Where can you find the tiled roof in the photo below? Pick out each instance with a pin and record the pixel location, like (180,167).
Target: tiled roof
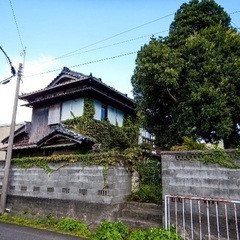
(68,72)
(60,130)
(19,147)
(75,76)
(25,128)
(65,132)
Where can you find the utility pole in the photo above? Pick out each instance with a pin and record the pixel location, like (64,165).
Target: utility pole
(10,145)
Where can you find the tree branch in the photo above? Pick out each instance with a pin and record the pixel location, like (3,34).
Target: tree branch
(174,99)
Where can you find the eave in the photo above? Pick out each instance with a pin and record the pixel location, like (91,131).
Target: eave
(83,82)
(126,105)
(69,85)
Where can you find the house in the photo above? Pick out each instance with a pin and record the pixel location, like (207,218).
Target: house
(4,132)
(59,101)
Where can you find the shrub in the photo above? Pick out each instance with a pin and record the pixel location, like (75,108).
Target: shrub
(150,189)
(51,220)
(147,194)
(139,235)
(73,225)
(189,144)
(154,234)
(111,231)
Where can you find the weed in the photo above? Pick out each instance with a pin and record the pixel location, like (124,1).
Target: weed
(51,219)
(111,231)
(73,225)
(154,234)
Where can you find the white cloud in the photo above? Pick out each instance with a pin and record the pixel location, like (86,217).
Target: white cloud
(31,82)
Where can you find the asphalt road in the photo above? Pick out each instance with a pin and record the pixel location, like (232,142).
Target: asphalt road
(15,232)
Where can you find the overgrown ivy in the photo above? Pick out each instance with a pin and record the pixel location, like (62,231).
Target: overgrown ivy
(189,144)
(150,183)
(103,132)
(89,109)
(215,155)
(119,145)
(221,157)
(127,158)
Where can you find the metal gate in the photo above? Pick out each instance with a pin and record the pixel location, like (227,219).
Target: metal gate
(203,218)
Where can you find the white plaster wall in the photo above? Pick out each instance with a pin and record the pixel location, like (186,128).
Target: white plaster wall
(75,106)
(98,106)
(115,116)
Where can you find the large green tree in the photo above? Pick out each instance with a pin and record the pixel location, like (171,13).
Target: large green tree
(188,84)
(194,16)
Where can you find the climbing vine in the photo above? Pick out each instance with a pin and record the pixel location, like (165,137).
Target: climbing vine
(127,158)
(215,156)
(88,110)
(221,157)
(103,132)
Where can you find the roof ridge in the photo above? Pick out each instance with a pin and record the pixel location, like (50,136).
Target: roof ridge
(67,71)
(73,77)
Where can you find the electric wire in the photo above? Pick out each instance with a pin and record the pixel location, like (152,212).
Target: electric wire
(15,20)
(82,64)
(117,43)
(23,52)
(105,39)
(238,11)
(106,46)
(235,25)
(73,53)
(116,35)
(94,61)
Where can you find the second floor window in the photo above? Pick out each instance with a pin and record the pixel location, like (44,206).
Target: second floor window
(104,111)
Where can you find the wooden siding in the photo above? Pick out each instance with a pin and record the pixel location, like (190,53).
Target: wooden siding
(21,139)
(54,114)
(40,126)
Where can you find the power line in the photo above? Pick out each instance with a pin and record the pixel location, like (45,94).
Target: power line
(72,53)
(82,64)
(15,20)
(114,44)
(105,39)
(238,11)
(116,35)
(106,46)
(235,25)
(95,61)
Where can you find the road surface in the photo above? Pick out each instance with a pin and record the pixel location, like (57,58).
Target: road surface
(15,232)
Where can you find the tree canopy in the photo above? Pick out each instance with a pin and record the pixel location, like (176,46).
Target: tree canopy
(188,84)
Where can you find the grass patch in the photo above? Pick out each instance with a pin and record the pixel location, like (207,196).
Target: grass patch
(106,230)
(65,225)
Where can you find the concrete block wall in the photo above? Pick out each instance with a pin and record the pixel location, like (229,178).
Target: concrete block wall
(72,190)
(183,175)
(70,182)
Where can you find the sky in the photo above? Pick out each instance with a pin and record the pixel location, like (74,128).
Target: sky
(101,37)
